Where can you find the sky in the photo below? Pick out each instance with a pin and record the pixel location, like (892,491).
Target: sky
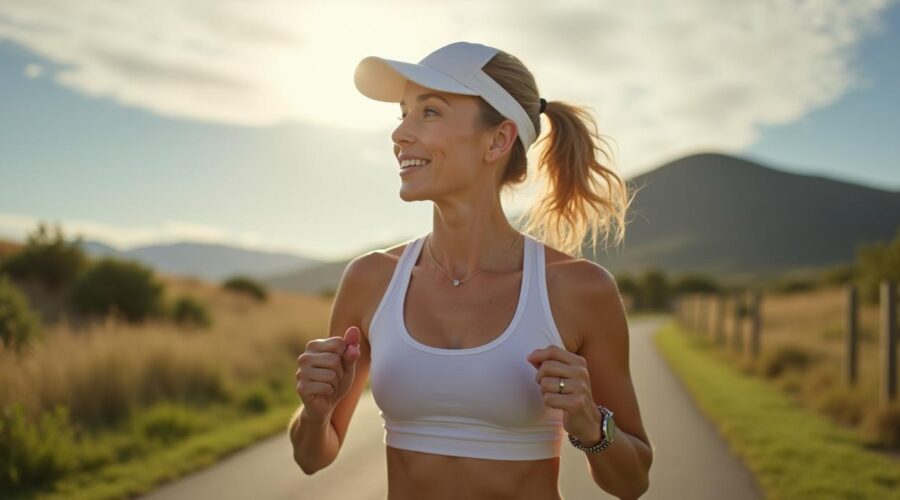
(145,122)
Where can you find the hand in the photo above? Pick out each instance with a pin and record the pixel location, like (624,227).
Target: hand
(581,418)
(326,370)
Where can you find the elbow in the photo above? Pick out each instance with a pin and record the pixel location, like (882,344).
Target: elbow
(640,485)
(307,469)
(636,491)
(644,484)
(643,487)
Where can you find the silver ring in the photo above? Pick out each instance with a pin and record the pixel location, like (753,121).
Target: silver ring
(562,385)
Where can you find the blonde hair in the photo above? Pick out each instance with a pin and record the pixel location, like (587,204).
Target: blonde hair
(580,193)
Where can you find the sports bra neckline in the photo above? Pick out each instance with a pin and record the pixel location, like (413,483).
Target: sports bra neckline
(411,255)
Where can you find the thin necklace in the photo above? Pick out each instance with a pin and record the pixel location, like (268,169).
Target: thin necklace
(457,282)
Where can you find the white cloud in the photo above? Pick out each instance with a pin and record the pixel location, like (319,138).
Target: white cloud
(664,77)
(33,70)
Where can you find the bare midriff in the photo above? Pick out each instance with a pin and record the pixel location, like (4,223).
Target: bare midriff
(414,475)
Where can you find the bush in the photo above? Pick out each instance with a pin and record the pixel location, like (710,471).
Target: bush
(845,404)
(245,285)
(126,286)
(884,423)
(34,454)
(189,311)
(166,423)
(838,275)
(794,285)
(785,358)
(877,262)
(48,259)
(256,400)
(19,325)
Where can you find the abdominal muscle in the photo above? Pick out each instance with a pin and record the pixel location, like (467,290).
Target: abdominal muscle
(414,475)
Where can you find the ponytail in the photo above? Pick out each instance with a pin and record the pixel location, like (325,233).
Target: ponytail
(580,193)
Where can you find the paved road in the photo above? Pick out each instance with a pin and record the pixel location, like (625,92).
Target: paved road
(690,460)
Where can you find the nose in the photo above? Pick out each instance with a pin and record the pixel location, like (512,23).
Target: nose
(402,134)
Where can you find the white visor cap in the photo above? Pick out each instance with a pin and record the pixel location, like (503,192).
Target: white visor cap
(454,68)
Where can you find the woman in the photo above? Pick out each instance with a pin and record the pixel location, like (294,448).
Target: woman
(489,351)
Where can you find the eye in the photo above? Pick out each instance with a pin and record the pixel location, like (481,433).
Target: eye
(426,110)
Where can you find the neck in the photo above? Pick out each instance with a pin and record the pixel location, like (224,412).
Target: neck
(467,237)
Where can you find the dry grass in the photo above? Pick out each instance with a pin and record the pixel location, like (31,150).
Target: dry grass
(812,323)
(103,371)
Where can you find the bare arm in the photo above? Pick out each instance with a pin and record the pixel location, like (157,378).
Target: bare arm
(597,373)
(317,431)
(623,468)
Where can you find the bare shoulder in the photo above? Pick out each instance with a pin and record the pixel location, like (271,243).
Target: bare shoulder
(366,278)
(577,289)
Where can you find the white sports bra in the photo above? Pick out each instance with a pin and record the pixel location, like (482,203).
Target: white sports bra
(478,402)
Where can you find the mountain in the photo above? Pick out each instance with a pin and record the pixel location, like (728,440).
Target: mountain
(321,279)
(724,216)
(208,261)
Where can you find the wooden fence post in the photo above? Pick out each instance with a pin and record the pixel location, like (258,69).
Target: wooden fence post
(889,340)
(738,340)
(756,323)
(851,335)
(720,319)
(703,315)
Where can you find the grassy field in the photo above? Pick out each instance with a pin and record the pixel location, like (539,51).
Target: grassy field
(802,354)
(794,452)
(147,403)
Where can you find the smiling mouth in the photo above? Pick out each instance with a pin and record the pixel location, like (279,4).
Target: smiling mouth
(416,165)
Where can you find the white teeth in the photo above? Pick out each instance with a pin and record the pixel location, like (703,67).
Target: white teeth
(408,163)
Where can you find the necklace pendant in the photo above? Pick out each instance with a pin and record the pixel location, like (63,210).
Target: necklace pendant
(455,282)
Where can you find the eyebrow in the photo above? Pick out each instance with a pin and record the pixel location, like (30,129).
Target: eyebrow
(426,96)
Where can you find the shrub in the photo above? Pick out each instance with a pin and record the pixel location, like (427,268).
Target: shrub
(245,285)
(838,275)
(785,358)
(166,423)
(876,262)
(256,400)
(32,454)
(844,404)
(19,325)
(126,286)
(794,285)
(189,311)
(49,259)
(884,423)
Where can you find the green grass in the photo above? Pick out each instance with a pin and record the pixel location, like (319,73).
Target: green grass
(794,453)
(169,441)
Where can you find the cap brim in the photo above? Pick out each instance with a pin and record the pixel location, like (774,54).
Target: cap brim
(384,79)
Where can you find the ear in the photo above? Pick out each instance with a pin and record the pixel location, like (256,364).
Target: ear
(502,141)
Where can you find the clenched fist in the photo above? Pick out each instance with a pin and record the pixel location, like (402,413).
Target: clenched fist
(325,371)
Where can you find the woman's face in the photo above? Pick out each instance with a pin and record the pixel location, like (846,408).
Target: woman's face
(442,127)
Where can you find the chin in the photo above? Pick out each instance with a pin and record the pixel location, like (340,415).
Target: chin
(411,195)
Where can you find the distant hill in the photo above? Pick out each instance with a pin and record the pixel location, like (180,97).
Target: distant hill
(208,261)
(711,213)
(323,278)
(723,216)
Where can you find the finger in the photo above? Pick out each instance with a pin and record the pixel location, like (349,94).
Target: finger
(321,375)
(565,402)
(331,344)
(551,385)
(556,369)
(352,335)
(310,388)
(556,353)
(328,360)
